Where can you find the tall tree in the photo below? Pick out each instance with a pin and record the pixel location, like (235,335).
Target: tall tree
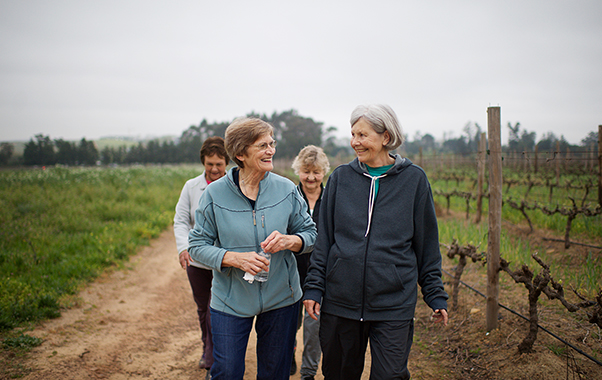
(87,154)
(66,152)
(332,146)
(456,145)
(294,132)
(548,143)
(428,143)
(40,151)
(590,139)
(6,152)
(191,140)
(520,140)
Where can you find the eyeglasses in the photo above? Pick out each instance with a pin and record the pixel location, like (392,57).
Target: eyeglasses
(264,146)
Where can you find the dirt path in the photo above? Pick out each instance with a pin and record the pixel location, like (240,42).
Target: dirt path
(136,323)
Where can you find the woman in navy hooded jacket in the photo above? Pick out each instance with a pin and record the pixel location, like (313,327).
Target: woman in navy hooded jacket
(378,240)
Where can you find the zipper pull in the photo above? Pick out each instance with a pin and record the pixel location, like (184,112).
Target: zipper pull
(262,220)
(254,222)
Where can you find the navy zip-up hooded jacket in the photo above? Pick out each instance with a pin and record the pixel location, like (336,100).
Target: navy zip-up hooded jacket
(370,255)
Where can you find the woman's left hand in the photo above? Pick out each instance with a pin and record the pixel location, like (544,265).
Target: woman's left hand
(277,242)
(440,315)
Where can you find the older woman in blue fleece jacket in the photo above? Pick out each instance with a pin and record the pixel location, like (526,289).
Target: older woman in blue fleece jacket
(378,240)
(249,210)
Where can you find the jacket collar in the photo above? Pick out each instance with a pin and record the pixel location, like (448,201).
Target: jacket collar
(398,166)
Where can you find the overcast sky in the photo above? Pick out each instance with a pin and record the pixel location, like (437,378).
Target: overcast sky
(73,69)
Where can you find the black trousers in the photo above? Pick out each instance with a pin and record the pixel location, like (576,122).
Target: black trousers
(344,343)
(200,282)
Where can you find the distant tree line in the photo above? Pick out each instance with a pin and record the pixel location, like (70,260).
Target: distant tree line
(44,151)
(519,140)
(292,131)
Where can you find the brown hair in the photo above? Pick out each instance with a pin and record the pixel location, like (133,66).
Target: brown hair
(243,132)
(214,145)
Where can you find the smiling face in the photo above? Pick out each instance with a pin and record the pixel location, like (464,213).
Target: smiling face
(369,145)
(311,177)
(215,167)
(259,155)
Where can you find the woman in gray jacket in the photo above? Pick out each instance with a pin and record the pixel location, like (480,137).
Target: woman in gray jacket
(378,240)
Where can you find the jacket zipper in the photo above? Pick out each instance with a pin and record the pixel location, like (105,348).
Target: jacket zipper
(364,278)
(367,242)
(259,246)
(256,232)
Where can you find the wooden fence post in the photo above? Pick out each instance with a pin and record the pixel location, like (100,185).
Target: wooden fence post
(589,160)
(495,215)
(600,165)
(536,151)
(557,156)
(481,157)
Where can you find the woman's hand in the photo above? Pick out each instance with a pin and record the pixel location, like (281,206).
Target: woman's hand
(185,259)
(439,316)
(313,308)
(249,262)
(278,242)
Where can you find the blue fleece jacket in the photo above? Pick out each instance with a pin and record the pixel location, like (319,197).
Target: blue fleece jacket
(225,221)
(372,253)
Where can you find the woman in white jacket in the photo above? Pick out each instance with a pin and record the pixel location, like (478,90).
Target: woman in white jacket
(215,159)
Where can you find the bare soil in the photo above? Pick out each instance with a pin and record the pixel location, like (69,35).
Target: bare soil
(141,323)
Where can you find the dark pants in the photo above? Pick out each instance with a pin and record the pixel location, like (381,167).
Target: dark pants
(344,343)
(200,282)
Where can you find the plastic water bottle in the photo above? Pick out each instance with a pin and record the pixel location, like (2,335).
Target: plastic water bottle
(263,275)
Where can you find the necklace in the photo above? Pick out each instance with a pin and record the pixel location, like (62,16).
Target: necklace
(242,185)
(244,188)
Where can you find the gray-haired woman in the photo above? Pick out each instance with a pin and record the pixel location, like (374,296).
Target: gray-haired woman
(378,240)
(311,165)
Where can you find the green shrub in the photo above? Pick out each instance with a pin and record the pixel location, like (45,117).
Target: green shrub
(21,341)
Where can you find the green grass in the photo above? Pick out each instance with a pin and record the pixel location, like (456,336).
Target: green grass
(586,276)
(515,250)
(588,227)
(61,227)
(558,349)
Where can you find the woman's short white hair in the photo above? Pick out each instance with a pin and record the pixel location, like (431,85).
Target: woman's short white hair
(382,119)
(309,156)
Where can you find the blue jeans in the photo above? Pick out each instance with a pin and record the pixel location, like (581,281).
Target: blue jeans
(275,330)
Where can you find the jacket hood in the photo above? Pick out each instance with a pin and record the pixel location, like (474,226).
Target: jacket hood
(400,164)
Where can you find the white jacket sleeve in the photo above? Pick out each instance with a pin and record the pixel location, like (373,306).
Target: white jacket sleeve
(181,222)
